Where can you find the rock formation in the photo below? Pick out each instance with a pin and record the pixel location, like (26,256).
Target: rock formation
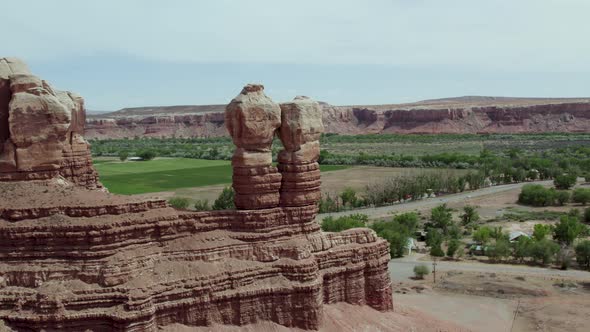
(252,119)
(73,257)
(467,115)
(300,133)
(41,129)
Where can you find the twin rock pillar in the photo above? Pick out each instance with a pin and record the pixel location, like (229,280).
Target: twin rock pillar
(252,120)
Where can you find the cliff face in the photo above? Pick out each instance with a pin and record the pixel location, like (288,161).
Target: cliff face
(455,115)
(74,257)
(41,129)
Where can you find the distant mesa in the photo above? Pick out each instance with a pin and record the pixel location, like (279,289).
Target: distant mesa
(463,115)
(74,257)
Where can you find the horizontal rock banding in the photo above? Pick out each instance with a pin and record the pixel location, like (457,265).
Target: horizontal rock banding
(75,257)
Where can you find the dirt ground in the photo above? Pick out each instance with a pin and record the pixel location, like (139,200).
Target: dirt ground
(484,301)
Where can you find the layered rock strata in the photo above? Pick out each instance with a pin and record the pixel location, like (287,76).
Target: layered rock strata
(41,129)
(300,133)
(74,258)
(252,119)
(466,115)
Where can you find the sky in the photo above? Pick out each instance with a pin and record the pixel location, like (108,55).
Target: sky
(130,53)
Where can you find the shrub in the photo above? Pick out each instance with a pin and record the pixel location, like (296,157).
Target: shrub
(453,247)
(225,201)
(397,232)
(420,271)
(482,235)
(348,197)
(583,254)
(469,216)
(562,197)
(499,250)
(587,215)
(147,154)
(328,204)
(180,203)
(123,155)
(581,195)
(540,231)
(522,248)
(441,218)
(202,205)
(543,251)
(437,251)
(536,195)
(329,224)
(568,229)
(565,181)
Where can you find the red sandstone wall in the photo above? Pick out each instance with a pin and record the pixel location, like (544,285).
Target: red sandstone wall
(558,117)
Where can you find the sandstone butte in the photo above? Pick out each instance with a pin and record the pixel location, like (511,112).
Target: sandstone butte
(74,257)
(464,115)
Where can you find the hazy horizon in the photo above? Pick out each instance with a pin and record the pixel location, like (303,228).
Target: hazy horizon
(150,53)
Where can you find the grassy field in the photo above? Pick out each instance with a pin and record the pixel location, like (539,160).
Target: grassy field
(166,174)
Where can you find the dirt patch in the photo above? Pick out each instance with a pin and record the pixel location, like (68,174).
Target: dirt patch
(490,285)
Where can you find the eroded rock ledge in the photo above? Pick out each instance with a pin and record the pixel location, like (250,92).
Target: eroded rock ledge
(75,257)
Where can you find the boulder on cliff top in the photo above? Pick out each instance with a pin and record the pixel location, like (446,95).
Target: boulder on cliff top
(252,118)
(301,122)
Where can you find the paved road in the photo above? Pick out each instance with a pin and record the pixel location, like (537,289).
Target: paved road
(385,211)
(402,268)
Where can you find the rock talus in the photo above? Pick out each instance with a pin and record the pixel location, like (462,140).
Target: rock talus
(74,257)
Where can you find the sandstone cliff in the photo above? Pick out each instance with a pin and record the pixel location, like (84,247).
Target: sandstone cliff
(74,257)
(453,115)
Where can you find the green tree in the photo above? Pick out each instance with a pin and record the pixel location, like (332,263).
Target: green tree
(437,251)
(568,229)
(225,200)
(543,251)
(562,197)
(581,196)
(147,154)
(397,232)
(583,254)
(331,224)
(536,195)
(452,247)
(522,248)
(540,231)
(123,155)
(498,250)
(469,216)
(565,181)
(441,218)
(482,235)
(180,203)
(348,197)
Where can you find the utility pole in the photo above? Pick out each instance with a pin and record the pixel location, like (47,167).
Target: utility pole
(434,269)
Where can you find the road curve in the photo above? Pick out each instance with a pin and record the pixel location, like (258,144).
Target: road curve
(385,211)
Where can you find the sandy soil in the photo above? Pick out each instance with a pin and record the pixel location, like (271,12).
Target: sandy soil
(343,317)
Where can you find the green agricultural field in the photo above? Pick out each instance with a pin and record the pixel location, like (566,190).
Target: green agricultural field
(166,174)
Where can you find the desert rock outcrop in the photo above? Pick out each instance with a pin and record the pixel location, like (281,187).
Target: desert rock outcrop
(466,115)
(300,133)
(41,129)
(73,257)
(252,119)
